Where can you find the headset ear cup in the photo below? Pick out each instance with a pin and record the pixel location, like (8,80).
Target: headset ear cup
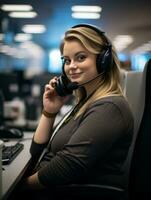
(61,86)
(104,60)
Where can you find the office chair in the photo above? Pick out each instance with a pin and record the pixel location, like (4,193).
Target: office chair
(140,169)
(133,89)
(89,192)
(133,86)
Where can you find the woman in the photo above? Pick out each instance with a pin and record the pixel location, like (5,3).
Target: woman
(92,143)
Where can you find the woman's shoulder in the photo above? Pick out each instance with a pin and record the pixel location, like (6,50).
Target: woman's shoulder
(113,104)
(111,109)
(115,100)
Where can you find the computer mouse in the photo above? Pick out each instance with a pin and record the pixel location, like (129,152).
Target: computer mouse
(10,133)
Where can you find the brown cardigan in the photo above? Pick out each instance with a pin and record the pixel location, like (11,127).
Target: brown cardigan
(90,149)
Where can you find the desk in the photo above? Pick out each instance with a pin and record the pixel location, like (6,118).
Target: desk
(15,170)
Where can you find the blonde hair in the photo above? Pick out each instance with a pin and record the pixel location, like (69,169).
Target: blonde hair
(109,84)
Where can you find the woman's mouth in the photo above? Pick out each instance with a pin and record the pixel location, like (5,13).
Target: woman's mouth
(75,75)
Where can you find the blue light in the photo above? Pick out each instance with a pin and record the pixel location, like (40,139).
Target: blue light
(55,63)
(139,61)
(122,57)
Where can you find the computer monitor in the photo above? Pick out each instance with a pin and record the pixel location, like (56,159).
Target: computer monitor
(1,108)
(1,145)
(9,85)
(34,102)
(39,81)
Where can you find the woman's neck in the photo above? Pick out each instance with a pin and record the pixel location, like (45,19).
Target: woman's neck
(86,91)
(91,87)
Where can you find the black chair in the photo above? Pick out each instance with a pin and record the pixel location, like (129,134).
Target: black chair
(89,192)
(140,170)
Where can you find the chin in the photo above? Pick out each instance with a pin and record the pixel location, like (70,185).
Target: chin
(75,80)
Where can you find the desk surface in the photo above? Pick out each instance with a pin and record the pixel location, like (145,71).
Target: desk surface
(13,172)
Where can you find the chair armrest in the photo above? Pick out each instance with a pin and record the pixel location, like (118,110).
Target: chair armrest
(91,191)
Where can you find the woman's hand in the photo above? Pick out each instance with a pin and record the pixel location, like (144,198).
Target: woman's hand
(30,183)
(52,102)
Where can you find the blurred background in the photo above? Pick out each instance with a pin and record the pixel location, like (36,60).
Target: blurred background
(30,34)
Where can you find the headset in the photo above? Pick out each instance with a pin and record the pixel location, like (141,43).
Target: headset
(104,63)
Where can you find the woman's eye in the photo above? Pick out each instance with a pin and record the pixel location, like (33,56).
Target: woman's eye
(81,57)
(66,61)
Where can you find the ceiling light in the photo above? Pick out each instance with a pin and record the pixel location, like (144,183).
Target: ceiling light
(12,7)
(124,38)
(86,8)
(4,48)
(142,49)
(86,15)
(21,37)
(122,41)
(23,14)
(35,28)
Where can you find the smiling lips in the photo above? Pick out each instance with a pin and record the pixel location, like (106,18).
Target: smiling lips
(75,75)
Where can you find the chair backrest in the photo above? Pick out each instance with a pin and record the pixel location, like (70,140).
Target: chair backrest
(133,84)
(140,169)
(1,145)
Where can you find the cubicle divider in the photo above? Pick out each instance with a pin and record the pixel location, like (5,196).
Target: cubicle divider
(1,145)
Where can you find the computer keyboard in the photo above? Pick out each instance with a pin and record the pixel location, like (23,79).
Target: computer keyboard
(9,153)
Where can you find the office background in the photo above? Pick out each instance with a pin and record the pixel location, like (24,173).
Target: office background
(29,56)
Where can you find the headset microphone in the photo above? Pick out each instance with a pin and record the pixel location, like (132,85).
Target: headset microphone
(73,86)
(66,89)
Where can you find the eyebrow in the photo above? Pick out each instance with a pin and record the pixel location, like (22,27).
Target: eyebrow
(79,52)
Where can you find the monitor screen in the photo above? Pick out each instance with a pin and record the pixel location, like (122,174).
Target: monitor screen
(9,85)
(55,62)
(39,82)
(1,108)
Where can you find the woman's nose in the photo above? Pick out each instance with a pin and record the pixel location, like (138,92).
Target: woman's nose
(73,64)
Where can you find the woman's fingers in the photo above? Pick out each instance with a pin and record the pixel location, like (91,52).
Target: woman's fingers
(47,87)
(53,81)
(51,84)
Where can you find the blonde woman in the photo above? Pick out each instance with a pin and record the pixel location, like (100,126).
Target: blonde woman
(92,141)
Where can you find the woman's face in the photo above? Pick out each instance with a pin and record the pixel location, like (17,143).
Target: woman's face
(80,64)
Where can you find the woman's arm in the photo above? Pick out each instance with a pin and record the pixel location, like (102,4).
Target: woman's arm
(52,104)
(43,130)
